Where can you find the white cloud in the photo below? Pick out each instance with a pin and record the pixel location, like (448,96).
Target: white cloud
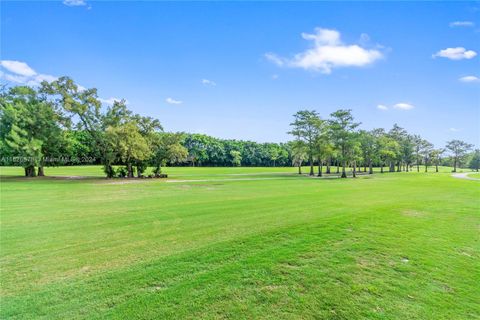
(173,101)
(462,24)
(108,101)
(74,3)
(328,52)
(45,77)
(457,53)
(275,59)
(469,79)
(207,82)
(275,76)
(403,106)
(18,67)
(22,73)
(382,107)
(454,130)
(14,78)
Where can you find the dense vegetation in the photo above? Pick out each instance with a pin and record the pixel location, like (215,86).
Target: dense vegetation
(62,124)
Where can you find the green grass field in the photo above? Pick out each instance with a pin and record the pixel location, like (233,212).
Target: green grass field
(239,243)
(474,175)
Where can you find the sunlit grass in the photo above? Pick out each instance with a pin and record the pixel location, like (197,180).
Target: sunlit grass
(239,243)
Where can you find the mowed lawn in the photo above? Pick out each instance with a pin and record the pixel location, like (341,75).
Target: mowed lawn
(239,243)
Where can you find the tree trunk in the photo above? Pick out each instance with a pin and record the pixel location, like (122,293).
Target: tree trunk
(418,165)
(129,170)
(454,164)
(344,173)
(300,168)
(354,168)
(30,171)
(310,161)
(370,169)
(320,168)
(328,165)
(391,167)
(338,166)
(436,167)
(108,170)
(398,167)
(406,167)
(381,167)
(41,173)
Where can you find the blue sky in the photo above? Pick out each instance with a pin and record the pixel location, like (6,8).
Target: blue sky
(242,69)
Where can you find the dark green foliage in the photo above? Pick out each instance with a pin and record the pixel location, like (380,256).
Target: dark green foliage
(64,124)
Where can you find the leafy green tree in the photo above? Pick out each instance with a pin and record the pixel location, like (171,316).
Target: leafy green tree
(355,153)
(419,144)
(475,160)
(31,129)
(342,129)
(435,156)
(236,158)
(168,148)
(400,135)
(85,107)
(305,128)
(273,153)
(388,150)
(458,149)
(368,141)
(407,149)
(426,153)
(299,154)
(197,148)
(129,144)
(323,147)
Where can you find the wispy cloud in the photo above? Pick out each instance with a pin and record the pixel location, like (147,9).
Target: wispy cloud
(403,106)
(275,59)
(453,129)
(173,101)
(461,24)
(209,83)
(469,79)
(21,73)
(275,76)
(75,3)
(399,106)
(18,72)
(328,52)
(457,53)
(18,67)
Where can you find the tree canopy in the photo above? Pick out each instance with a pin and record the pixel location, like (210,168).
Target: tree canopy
(61,123)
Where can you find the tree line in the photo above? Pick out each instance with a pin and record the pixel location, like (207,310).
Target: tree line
(60,123)
(338,141)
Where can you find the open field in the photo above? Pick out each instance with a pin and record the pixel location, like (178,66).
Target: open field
(246,243)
